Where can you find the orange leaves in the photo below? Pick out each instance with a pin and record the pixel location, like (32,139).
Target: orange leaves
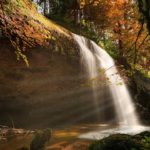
(116,9)
(119,19)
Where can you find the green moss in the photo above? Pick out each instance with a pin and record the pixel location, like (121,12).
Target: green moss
(145,73)
(40,139)
(116,142)
(123,142)
(20,3)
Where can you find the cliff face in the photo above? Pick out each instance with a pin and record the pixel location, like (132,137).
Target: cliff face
(52,92)
(26,28)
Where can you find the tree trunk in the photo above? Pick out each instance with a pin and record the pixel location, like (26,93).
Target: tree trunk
(45,8)
(144,7)
(120,43)
(50,7)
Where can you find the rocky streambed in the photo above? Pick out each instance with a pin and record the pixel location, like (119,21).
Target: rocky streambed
(7,133)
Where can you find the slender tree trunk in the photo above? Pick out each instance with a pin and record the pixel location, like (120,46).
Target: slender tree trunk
(144,7)
(120,43)
(45,8)
(76,9)
(50,3)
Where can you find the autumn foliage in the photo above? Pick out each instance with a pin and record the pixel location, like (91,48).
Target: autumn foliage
(121,22)
(26,28)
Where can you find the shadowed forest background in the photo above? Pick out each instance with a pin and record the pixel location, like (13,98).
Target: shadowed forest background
(44,83)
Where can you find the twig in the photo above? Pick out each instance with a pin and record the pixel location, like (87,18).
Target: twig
(143,41)
(109,68)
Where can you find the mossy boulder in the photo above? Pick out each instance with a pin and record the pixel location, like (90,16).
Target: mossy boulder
(123,142)
(40,140)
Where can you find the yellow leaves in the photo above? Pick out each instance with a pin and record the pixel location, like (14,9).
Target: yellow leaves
(148,73)
(19,52)
(115,9)
(53,38)
(119,83)
(21,55)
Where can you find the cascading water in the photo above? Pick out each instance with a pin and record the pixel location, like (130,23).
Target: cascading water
(93,57)
(123,103)
(122,100)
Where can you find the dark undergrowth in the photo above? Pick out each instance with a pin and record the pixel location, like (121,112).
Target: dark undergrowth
(123,142)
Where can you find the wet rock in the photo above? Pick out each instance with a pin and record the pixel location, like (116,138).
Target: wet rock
(7,133)
(40,140)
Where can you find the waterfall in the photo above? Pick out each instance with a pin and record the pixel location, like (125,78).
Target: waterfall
(92,58)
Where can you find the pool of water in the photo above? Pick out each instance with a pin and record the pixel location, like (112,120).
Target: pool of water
(74,136)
